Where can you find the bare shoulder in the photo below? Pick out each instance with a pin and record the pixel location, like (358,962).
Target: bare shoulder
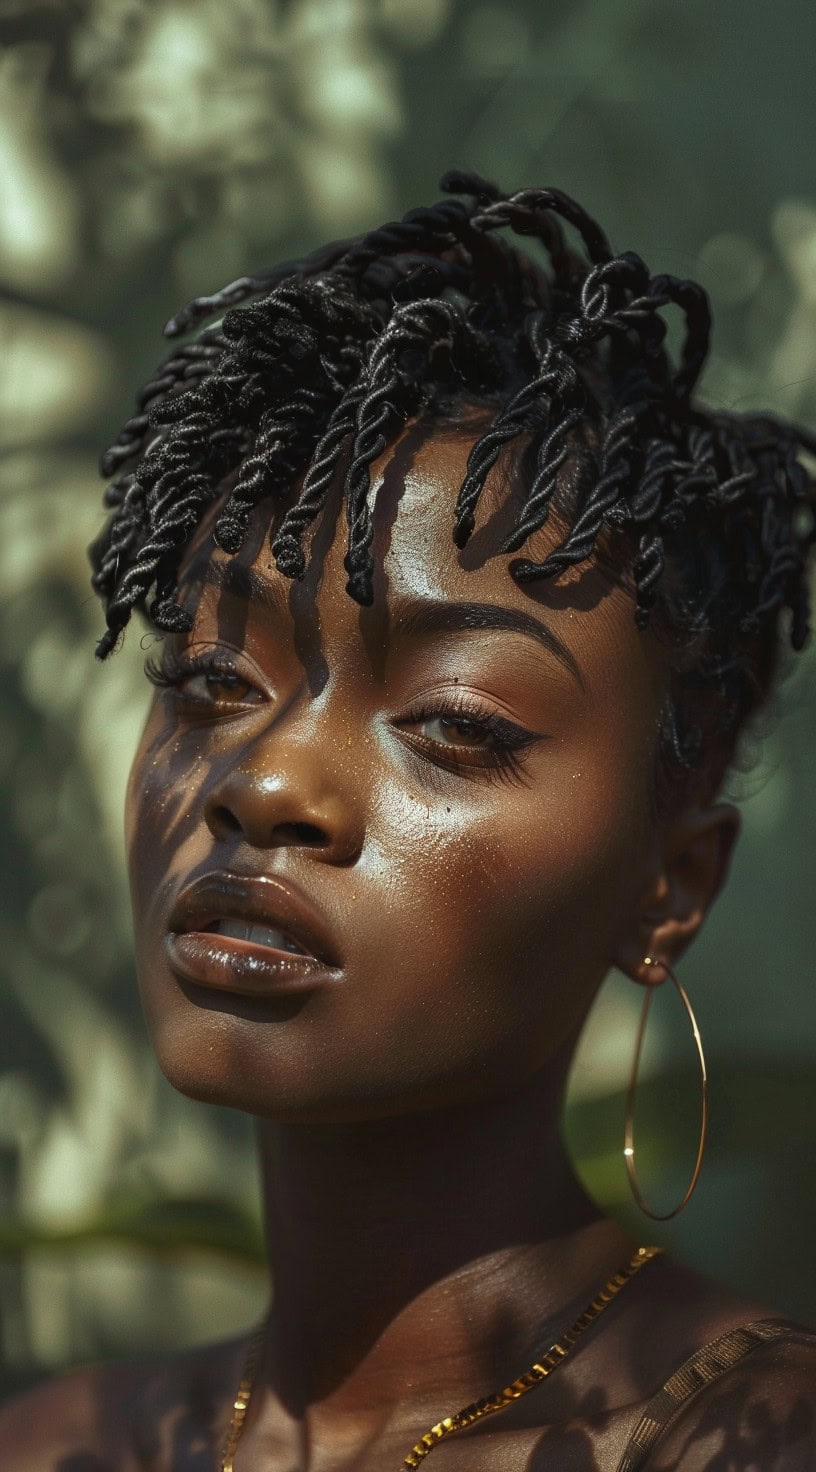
(59,1422)
(687,1309)
(758,1414)
(749,1412)
(761,1414)
(143,1417)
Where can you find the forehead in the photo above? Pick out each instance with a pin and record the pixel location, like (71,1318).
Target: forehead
(413,493)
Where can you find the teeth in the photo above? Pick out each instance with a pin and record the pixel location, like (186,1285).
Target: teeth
(262,935)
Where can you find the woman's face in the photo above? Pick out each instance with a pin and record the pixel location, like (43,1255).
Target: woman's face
(474,879)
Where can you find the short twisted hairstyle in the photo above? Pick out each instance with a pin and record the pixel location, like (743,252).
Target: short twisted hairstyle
(335,352)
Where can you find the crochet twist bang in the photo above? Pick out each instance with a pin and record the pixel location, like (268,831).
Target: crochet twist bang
(334,352)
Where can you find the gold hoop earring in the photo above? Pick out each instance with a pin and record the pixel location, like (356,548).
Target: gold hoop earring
(629,1147)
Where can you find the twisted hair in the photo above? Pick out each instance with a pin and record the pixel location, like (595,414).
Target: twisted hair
(328,356)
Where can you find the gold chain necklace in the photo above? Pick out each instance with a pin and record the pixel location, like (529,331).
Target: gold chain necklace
(488,1405)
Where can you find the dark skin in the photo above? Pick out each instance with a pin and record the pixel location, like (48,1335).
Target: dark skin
(427,1235)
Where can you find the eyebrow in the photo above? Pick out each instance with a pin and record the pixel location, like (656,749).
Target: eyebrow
(411,618)
(238,579)
(433,616)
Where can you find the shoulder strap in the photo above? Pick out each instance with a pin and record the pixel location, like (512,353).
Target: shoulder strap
(698,1371)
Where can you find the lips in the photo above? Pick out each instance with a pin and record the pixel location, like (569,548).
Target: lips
(249,935)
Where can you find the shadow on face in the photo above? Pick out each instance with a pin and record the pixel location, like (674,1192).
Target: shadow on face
(457,777)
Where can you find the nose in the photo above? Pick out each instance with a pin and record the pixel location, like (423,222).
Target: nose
(284,794)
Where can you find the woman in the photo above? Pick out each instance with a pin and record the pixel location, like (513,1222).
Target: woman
(402,799)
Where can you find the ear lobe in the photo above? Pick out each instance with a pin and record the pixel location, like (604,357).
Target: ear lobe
(693,862)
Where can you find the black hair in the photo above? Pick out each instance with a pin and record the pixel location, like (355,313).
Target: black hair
(333,353)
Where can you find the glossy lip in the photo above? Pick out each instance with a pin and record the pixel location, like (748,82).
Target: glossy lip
(226,963)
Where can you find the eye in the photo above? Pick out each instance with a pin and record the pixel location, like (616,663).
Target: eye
(461,734)
(458,730)
(210,681)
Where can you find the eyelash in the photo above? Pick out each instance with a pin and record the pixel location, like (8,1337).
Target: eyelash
(505,759)
(168,672)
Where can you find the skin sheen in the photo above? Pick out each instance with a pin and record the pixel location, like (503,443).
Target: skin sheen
(476,910)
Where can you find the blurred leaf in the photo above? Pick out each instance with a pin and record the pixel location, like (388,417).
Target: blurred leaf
(165,1228)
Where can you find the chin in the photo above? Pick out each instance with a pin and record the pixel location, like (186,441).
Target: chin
(219,1055)
(212,1062)
(291,1058)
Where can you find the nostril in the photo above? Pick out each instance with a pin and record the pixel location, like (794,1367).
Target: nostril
(225,820)
(225,823)
(301,832)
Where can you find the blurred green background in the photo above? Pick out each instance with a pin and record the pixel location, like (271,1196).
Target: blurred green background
(151,151)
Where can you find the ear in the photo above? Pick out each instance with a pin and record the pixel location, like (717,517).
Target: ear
(690,865)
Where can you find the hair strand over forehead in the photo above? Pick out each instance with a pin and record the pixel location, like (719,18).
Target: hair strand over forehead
(328,356)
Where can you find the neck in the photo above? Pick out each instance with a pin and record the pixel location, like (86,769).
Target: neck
(417,1259)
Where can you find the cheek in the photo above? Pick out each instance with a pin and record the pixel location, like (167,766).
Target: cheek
(499,911)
